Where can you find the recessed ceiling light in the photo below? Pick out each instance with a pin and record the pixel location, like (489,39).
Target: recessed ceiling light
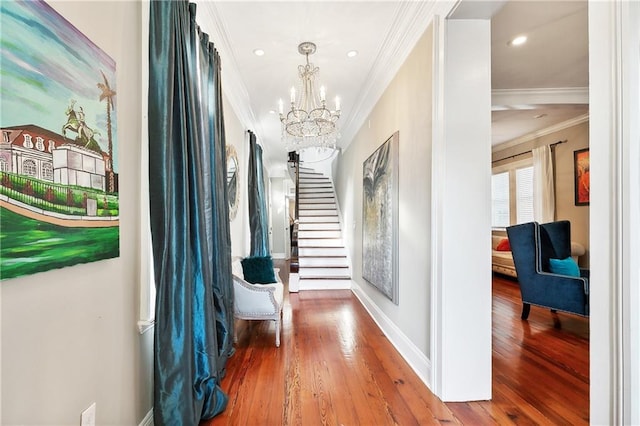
(258,52)
(352,53)
(521,39)
(272,111)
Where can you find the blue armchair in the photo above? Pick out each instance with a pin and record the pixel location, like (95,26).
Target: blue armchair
(532,245)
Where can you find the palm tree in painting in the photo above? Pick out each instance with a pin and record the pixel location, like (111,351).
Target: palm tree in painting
(108,94)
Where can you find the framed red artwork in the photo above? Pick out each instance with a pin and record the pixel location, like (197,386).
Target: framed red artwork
(581,176)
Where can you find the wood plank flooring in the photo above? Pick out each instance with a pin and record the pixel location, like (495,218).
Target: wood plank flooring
(335,367)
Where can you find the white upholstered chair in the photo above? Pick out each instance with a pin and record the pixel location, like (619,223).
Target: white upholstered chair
(257,301)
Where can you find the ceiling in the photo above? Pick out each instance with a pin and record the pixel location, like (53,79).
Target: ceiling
(547,77)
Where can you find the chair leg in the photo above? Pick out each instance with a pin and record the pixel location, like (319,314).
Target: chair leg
(526,308)
(278,333)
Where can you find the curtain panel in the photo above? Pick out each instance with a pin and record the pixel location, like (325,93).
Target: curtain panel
(544,192)
(258,219)
(189,218)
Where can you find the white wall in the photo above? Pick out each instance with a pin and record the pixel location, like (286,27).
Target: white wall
(236,135)
(405,106)
(70,336)
(462,213)
(279,218)
(614,93)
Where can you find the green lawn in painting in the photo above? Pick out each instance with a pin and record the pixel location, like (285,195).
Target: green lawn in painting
(28,246)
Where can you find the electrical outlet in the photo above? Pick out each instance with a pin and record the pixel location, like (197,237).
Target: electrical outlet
(88,416)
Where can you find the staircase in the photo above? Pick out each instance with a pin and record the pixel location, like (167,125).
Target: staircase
(322,256)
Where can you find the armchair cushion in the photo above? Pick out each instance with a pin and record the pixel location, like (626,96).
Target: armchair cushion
(258,270)
(566,266)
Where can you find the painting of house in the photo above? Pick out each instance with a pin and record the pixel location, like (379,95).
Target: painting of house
(58,151)
(33,151)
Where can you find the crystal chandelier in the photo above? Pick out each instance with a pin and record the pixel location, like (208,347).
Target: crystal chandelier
(309,123)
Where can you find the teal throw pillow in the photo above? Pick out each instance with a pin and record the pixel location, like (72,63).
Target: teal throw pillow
(566,266)
(258,270)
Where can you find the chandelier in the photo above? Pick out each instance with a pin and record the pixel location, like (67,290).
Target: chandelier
(309,123)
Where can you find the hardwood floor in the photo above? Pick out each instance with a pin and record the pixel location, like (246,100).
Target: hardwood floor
(335,367)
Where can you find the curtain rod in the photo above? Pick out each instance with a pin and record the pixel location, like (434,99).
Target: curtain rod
(551,145)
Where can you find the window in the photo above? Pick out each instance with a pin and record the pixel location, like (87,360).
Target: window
(500,216)
(39,143)
(27,143)
(512,194)
(29,168)
(47,171)
(4,165)
(524,195)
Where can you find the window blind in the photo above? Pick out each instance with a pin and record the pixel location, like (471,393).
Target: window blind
(524,195)
(500,200)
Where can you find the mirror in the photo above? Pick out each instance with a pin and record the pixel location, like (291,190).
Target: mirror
(233,187)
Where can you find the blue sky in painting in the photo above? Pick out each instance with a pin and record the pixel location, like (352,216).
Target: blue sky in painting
(45,62)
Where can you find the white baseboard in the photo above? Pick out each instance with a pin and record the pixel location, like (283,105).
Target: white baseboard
(417,360)
(148,419)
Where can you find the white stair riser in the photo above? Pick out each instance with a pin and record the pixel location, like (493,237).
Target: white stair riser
(306,284)
(323,262)
(321,273)
(311,201)
(326,242)
(320,184)
(316,213)
(313,197)
(325,190)
(318,219)
(319,234)
(319,226)
(316,191)
(322,251)
(317,206)
(305,180)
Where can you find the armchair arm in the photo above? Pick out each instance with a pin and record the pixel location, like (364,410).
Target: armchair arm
(257,299)
(564,293)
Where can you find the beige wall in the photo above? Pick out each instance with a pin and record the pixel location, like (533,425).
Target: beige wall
(405,106)
(577,137)
(70,336)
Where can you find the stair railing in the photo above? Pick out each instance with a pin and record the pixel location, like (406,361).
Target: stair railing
(294,163)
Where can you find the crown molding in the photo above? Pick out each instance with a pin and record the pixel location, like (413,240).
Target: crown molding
(547,96)
(543,132)
(410,21)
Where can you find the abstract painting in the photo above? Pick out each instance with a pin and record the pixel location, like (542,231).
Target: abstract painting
(59,203)
(581,176)
(380,218)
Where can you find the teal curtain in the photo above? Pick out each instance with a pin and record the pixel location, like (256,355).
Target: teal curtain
(258,219)
(189,218)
